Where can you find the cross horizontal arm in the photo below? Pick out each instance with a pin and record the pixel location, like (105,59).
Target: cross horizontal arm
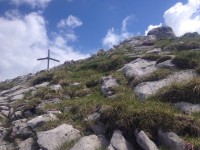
(42,58)
(54,59)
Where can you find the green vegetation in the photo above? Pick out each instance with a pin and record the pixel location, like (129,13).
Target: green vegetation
(163,58)
(187,59)
(6,85)
(151,57)
(188,91)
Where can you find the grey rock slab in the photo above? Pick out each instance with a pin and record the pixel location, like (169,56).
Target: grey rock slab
(144,141)
(154,51)
(44,84)
(90,142)
(108,85)
(187,108)
(4,108)
(5,112)
(139,68)
(20,91)
(147,89)
(28,144)
(55,138)
(99,129)
(40,120)
(17,97)
(119,142)
(93,117)
(56,87)
(18,114)
(171,140)
(6,146)
(11,90)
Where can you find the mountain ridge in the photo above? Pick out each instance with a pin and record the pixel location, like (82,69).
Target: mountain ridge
(141,94)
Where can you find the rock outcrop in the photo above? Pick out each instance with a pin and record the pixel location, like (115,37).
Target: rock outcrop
(55,138)
(162,32)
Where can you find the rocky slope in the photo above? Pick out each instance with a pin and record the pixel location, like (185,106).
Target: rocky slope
(142,94)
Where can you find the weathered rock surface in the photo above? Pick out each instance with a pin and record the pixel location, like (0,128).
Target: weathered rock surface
(147,89)
(108,85)
(138,68)
(144,141)
(162,32)
(28,144)
(119,142)
(91,142)
(40,120)
(55,138)
(171,140)
(187,108)
(93,117)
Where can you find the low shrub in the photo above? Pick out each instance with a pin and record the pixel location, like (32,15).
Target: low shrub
(44,77)
(188,91)
(162,59)
(184,63)
(151,57)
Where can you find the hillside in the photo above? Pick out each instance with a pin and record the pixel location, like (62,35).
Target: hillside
(142,94)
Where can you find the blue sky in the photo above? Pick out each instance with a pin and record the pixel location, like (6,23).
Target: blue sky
(75,29)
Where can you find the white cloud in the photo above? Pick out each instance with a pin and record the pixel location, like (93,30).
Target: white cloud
(32,3)
(24,39)
(70,22)
(113,38)
(150,27)
(184,17)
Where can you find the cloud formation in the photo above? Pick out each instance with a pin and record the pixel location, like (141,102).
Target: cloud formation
(32,3)
(113,38)
(24,39)
(70,22)
(184,17)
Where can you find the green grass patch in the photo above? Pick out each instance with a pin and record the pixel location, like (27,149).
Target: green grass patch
(188,91)
(163,58)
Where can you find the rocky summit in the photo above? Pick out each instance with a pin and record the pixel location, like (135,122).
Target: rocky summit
(143,94)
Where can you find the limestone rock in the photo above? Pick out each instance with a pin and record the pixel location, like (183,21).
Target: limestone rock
(90,142)
(162,32)
(93,117)
(108,85)
(55,138)
(56,87)
(119,142)
(144,141)
(40,120)
(147,89)
(188,108)
(28,144)
(171,140)
(139,68)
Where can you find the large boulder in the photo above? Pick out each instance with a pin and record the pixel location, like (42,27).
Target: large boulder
(162,32)
(119,142)
(144,141)
(28,144)
(139,68)
(55,138)
(91,142)
(108,85)
(171,140)
(146,89)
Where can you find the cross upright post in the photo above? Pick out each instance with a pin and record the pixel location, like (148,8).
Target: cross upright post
(48,59)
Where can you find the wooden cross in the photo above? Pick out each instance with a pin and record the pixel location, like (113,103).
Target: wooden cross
(48,59)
